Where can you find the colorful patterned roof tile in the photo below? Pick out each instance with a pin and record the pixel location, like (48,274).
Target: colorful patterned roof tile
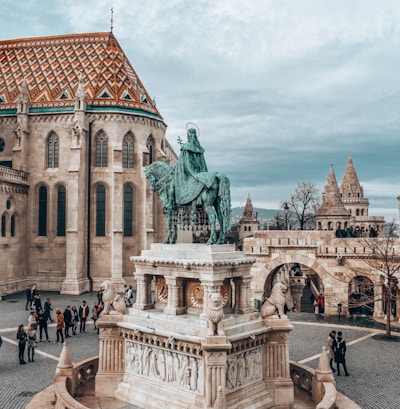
(52,67)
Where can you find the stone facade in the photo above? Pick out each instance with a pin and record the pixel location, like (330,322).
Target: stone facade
(75,133)
(330,263)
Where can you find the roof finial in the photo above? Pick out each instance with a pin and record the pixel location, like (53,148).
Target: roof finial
(112,19)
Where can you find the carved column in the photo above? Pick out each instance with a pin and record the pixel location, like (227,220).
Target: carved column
(111,357)
(242,300)
(143,292)
(215,358)
(276,363)
(175,296)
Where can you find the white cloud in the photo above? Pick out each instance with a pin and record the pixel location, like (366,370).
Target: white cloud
(280,89)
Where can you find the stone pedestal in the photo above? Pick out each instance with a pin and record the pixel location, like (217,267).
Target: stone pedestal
(297,284)
(161,354)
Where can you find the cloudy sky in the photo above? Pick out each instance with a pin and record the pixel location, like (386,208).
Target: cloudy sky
(279,89)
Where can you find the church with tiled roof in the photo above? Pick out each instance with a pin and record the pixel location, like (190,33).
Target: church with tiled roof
(76,128)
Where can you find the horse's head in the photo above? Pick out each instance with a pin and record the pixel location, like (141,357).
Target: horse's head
(155,172)
(151,177)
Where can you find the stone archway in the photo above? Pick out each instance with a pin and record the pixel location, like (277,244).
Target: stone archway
(303,275)
(361,296)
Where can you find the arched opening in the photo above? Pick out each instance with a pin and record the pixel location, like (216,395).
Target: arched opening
(361,296)
(304,286)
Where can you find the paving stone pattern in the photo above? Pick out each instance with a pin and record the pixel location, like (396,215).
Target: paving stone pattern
(372,362)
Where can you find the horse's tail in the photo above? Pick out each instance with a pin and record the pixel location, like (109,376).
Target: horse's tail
(224,194)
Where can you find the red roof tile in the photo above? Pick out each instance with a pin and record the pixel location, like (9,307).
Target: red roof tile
(52,67)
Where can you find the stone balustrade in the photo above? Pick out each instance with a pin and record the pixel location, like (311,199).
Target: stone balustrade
(302,377)
(65,387)
(13,175)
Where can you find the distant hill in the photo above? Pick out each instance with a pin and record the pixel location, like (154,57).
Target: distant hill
(262,213)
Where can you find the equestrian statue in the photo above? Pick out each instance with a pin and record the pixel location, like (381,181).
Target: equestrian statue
(188,188)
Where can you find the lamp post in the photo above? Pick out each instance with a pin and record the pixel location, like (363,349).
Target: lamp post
(286,210)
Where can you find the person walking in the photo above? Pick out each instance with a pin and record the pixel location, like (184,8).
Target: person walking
(42,320)
(100,297)
(340,353)
(95,313)
(60,326)
(22,338)
(28,294)
(31,343)
(67,321)
(48,309)
(37,302)
(83,314)
(74,319)
(321,304)
(33,319)
(332,346)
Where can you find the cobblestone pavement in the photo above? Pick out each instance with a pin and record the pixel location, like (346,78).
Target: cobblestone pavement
(373,363)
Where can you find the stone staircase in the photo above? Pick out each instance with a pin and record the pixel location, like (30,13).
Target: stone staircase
(306,304)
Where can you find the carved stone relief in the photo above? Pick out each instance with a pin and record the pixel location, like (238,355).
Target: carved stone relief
(243,369)
(163,365)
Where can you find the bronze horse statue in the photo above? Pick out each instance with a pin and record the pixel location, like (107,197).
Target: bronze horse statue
(215,200)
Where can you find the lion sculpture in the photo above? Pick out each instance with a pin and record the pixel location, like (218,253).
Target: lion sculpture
(112,299)
(276,302)
(215,314)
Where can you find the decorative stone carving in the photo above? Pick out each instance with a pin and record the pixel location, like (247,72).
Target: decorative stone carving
(215,314)
(243,369)
(112,299)
(164,366)
(276,302)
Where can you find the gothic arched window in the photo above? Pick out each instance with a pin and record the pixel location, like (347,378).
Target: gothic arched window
(12,226)
(100,211)
(128,151)
(52,151)
(42,219)
(128,211)
(150,147)
(3,225)
(101,150)
(61,210)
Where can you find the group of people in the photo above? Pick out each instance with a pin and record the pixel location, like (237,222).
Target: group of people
(337,352)
(65,322)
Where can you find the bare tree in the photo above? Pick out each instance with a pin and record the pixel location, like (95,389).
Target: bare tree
(303,205)
(382,259)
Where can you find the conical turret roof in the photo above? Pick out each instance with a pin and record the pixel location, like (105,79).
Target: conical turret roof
(350,183)
(331,200)
(248,212)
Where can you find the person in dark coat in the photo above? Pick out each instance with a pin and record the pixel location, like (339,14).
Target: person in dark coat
(28,294)
(67,321)
(42,319)
(48,309)
(340,353)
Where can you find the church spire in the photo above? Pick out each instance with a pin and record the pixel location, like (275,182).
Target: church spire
(23,98)
(112,20)
(350,186)
(331,198)
(248,213)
